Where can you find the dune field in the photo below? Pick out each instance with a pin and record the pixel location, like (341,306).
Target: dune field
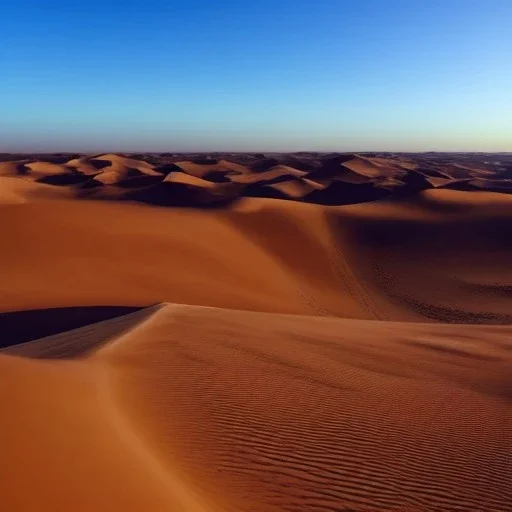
(288,333)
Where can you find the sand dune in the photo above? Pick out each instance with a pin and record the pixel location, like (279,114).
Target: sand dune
(88,165)
(43,169)
(15,191)
(271,175)
(57,456)
(201,169)
(295,188)
(331,180)
(334,337)
(121,169)
(359,261)
(209,409)
(123,162)
(189,179)
(15,168)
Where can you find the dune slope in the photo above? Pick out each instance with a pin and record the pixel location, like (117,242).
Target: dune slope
(230,410)
(395,260)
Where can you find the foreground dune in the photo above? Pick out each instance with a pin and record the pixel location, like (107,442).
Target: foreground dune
(269,355)
(206,409)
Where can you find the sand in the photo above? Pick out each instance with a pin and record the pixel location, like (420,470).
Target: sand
(269,355)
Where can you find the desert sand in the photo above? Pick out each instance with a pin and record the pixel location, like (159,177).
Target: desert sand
(322,333)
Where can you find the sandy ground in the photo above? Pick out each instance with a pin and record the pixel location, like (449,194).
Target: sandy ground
(271,355)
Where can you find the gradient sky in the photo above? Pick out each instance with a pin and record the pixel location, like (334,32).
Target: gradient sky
(285,75)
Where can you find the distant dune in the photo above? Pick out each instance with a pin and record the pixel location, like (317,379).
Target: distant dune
(200,334)
(330,180)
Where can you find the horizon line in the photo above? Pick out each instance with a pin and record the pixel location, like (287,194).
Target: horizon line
(241,152)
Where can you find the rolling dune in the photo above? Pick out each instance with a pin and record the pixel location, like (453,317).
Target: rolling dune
(346,347)
(210,409)
(358,261)
(329,180)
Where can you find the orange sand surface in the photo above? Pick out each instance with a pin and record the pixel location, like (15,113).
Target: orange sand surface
(270,355)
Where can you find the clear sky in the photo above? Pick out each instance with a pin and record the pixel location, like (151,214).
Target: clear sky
(193,75)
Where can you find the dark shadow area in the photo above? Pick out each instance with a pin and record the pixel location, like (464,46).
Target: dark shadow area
(217,176)
(91,183)
(340,193)
(99,164)
(167,168)
(139,181)
(64,179)
(264,165)
(22,326)
(412,183)
(22,170)
(179,194)
(260,190)
(464,185)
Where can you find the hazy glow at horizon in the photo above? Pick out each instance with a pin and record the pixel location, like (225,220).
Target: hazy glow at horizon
(191,76)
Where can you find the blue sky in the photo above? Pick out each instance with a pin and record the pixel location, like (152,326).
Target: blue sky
(205,75)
